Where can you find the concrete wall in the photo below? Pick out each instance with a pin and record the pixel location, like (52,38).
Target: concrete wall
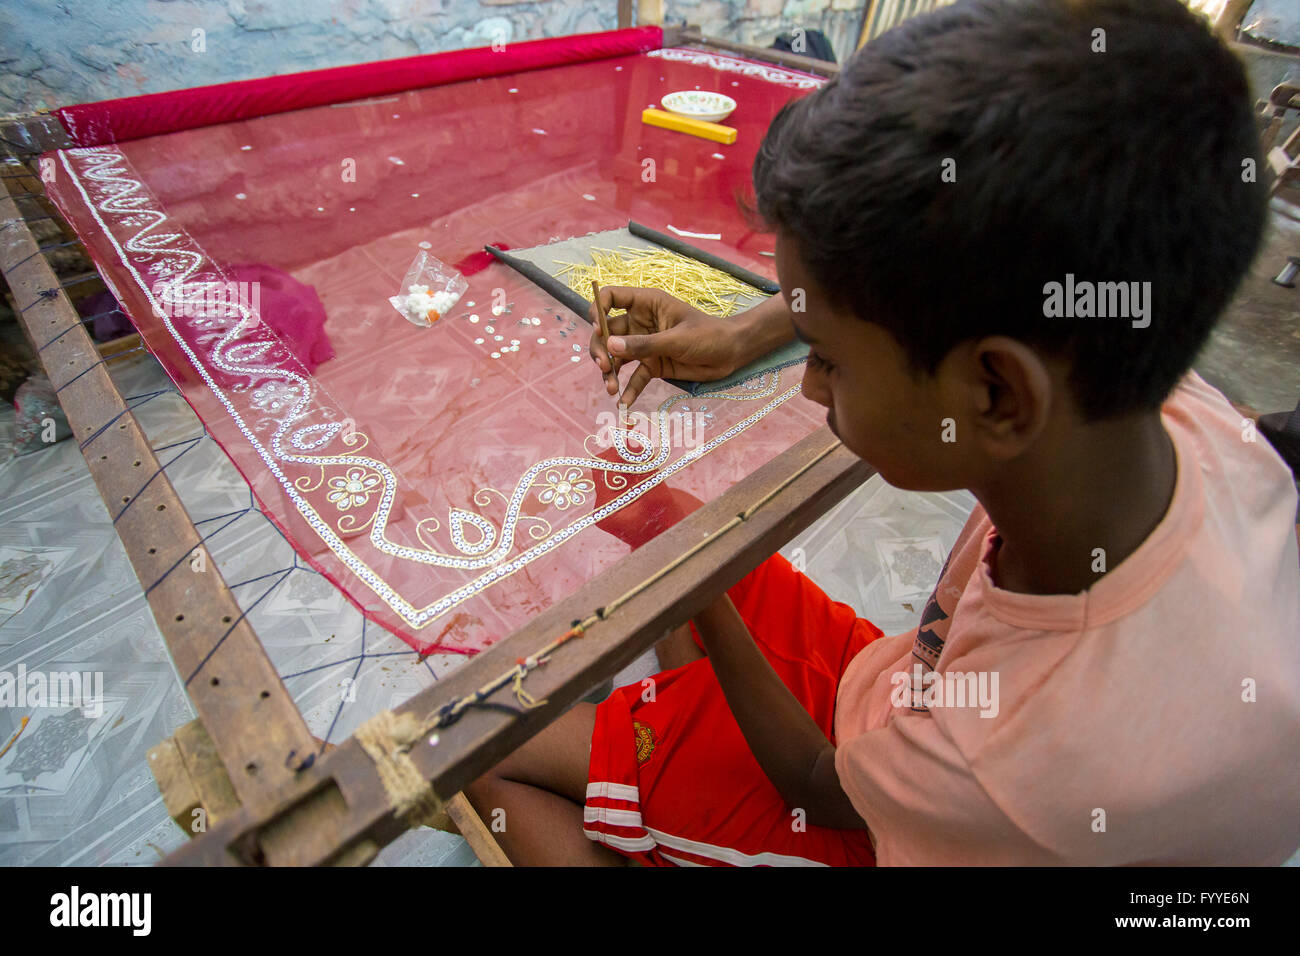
(59,52)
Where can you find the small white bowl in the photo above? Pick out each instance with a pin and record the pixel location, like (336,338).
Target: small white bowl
(700,105)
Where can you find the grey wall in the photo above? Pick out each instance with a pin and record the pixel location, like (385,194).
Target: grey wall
(56,53)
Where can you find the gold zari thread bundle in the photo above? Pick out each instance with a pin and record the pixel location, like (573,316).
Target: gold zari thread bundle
(706,288)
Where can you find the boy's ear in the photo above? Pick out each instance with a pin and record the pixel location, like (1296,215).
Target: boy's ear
(1012,392)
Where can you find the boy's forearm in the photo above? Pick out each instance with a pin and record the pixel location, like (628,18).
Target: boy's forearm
(785,740)
(759,330)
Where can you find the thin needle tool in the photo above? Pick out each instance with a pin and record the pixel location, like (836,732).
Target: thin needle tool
(604,328)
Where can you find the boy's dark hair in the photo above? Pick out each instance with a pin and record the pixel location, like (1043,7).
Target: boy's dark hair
(1118,166)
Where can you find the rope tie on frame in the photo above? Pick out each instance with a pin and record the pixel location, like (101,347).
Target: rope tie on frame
(387,739)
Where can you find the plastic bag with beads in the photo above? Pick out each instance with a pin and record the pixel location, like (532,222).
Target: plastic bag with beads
(429,291)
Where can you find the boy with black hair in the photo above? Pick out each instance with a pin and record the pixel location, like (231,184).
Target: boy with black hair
(1011,226)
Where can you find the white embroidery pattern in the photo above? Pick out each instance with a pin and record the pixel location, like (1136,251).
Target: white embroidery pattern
(719,61)
(245,353)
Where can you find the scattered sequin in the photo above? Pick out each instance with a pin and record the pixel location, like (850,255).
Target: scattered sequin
(498,338)
(240,196)
(496,354)
(488,329)
(429,245)
(575,358)
(514,341)
(473,318)
(245,147)
(577,348)
(475,382)
(536,321)
(469,305)
(541,341)
(478,341)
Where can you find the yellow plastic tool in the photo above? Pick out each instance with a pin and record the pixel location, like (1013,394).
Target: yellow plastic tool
(684,124)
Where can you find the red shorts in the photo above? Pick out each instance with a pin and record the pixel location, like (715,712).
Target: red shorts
(672,780)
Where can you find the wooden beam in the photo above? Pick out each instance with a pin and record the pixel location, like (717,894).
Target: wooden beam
(649,12)
(471,826)
(337,810)
(1229,19)
(197,792)
(869,14)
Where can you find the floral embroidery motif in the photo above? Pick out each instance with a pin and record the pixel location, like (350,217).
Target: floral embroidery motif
(274,396)
(572,488)
(354,490)
(167,267)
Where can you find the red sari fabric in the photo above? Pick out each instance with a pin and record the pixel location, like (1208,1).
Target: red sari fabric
(133,117)
(450,494)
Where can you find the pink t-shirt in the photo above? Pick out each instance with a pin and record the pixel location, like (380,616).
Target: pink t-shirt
(1152,719)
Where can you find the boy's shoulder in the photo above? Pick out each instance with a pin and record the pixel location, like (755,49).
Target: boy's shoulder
(1226,439)
(1182,678)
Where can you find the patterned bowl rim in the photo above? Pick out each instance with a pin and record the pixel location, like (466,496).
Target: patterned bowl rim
(726,104)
